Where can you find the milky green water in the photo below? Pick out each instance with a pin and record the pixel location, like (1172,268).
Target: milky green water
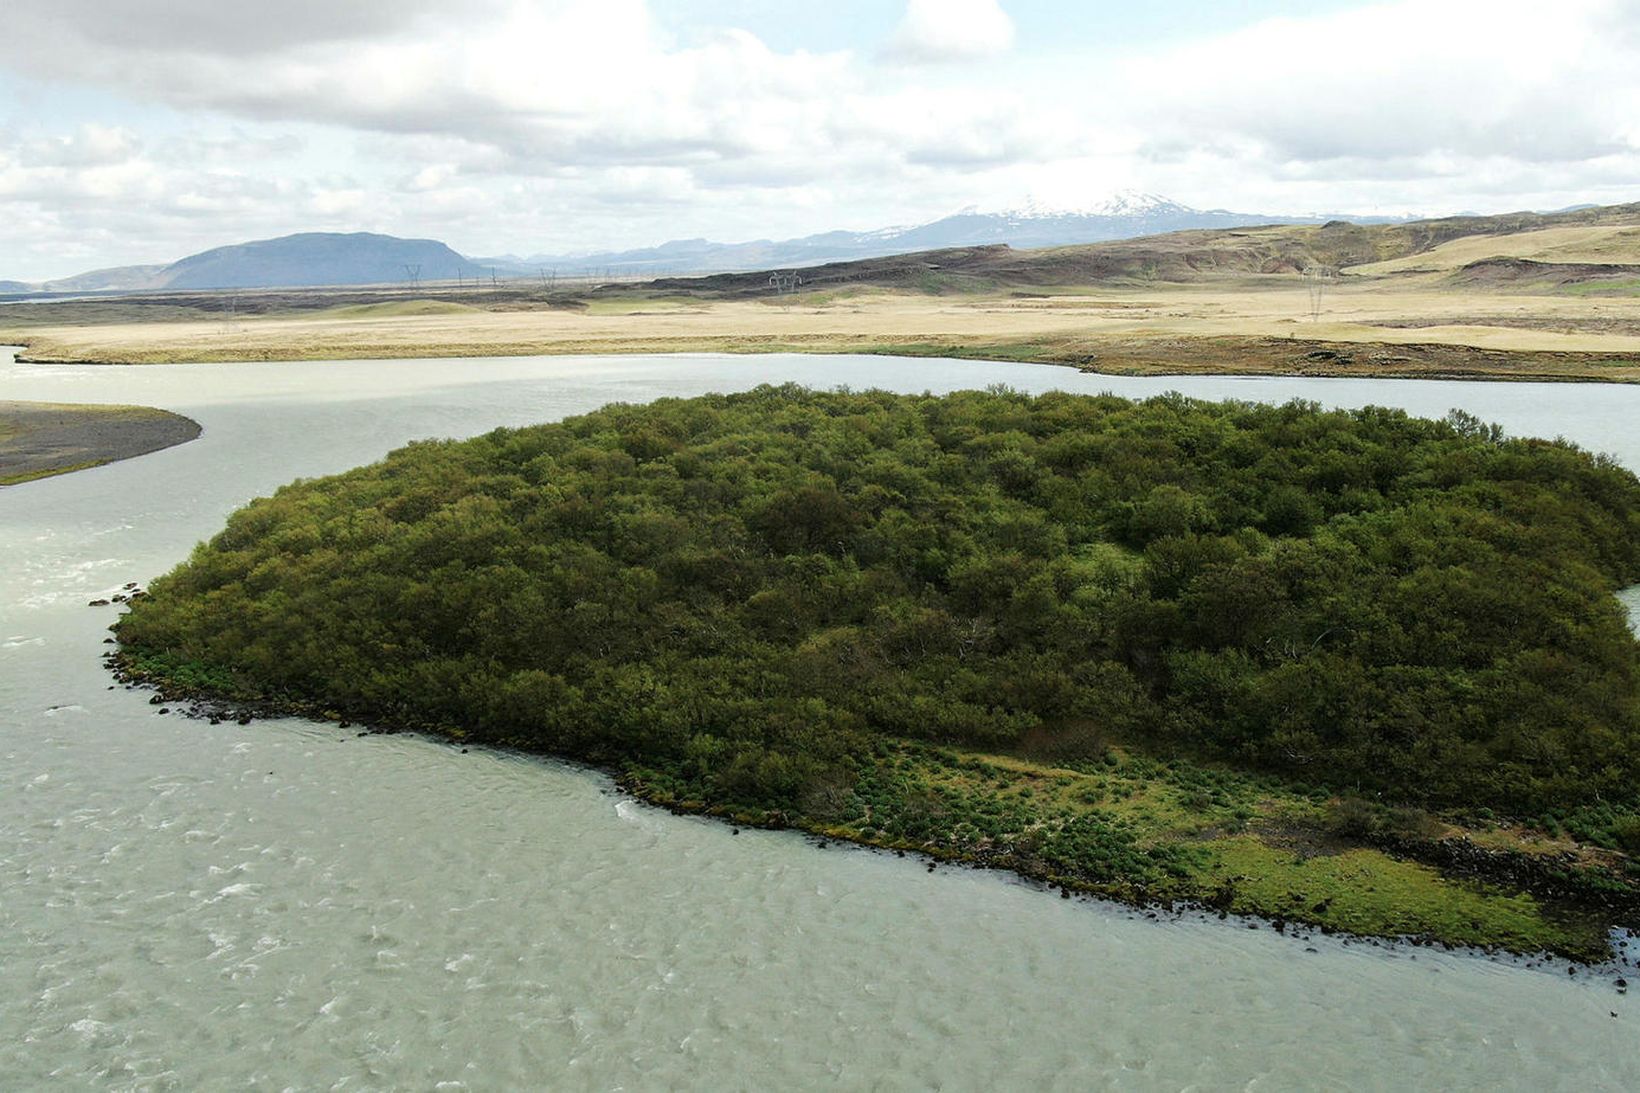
(284,905)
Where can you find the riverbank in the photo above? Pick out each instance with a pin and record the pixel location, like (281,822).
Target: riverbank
(1382,328)
(1144,832)
(1184,356)
(1159,696)
(653,927)
(40,439)
(1153,834)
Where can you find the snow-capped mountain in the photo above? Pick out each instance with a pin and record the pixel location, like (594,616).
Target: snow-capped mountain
(1135,203)
(360,258)
(1034,223)
(1122,203)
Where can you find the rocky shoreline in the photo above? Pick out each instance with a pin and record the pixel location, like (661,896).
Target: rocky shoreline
(40,439)
(1551,879)
(1618,960)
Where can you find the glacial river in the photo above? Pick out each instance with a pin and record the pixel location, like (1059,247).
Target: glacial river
(286,905)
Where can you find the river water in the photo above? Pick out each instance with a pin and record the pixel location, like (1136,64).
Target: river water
(286,905)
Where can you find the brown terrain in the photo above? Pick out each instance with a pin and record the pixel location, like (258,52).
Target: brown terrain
(39,439)
(1522,296)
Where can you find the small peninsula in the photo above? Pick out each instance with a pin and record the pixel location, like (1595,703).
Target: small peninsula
(1351,669)
(40,439)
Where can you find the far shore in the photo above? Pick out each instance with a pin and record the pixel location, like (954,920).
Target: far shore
(1518,297)
(1222,356)
(41,439)
(1240,326)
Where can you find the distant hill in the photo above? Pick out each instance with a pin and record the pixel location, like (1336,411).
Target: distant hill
(323,258)
(99,280)
(291,261)
(1592,243)
(317,258)
(1126,215)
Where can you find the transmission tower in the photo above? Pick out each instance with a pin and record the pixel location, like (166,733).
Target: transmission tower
(1316,280)
(230,324)
(412,270)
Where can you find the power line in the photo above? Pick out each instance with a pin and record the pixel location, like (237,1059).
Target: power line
(1316,279)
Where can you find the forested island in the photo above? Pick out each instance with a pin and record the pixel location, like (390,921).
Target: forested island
(1347,668)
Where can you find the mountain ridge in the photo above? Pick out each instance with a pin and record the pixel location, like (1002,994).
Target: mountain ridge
(319,259)
(316,258)
(299,260)
(1126,214)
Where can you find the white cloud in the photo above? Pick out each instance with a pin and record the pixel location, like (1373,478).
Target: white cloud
(570,81)
(552,125)
(433,177)
(1466,78)
(89,146)
(589,91)
(232,28)
(952,30)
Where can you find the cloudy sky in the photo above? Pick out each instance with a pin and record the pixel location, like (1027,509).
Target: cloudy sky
(142,130)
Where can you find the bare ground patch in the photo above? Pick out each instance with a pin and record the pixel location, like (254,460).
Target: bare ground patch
(39,439)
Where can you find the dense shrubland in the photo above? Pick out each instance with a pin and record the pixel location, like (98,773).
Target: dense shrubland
(747,595)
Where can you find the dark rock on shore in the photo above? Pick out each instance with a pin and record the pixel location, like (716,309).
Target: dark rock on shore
(1559,878)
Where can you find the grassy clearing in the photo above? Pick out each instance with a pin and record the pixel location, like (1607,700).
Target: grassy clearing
(1142,830)
(1365,891)
(646,305)
(1625,287)
(1026,352)
(395,309)
(832,297)
(19,477)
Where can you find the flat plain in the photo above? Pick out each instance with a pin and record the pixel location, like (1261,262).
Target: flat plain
(1523,297)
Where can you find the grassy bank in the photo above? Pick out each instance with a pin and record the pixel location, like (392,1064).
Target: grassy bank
(1145,355)
(1290,356)
(1144,831)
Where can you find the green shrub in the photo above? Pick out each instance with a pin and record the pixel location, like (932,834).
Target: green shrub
(757,592)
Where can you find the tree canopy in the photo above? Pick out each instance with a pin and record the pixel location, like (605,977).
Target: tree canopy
(752,591)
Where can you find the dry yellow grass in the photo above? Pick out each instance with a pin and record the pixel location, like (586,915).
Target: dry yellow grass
(1071,327)
(1180,303)
(1597,244)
